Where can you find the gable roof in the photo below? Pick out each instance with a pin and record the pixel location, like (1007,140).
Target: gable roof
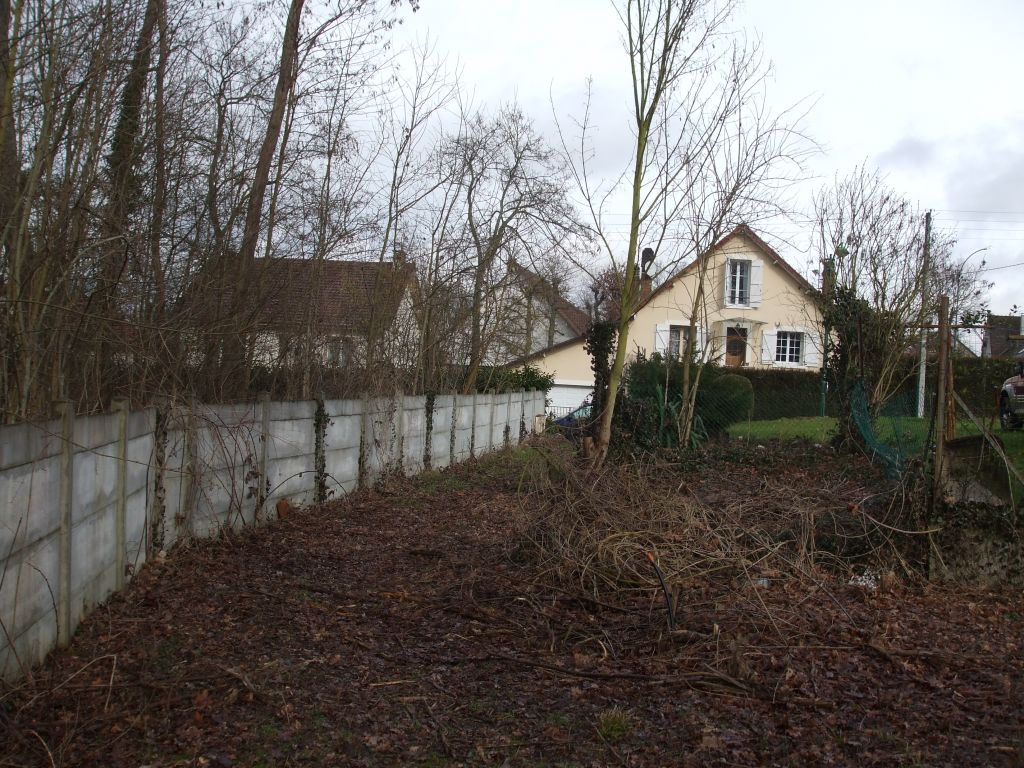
(343,295)
(577,319)
(740,231)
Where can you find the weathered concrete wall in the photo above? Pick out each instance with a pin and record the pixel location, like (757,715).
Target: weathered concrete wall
(441,442)
(73,528)
(84,501)
(341,445)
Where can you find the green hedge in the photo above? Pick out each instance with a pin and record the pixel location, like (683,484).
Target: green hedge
(783,394)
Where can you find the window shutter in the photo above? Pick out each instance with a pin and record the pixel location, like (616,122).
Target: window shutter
(701,341)
(661,338)
(756,280)
(725,284)
(812,349)
(768,347)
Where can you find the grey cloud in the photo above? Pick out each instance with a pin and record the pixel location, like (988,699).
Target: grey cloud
(908,154)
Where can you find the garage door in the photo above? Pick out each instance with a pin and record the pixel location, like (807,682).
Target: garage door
(563,396)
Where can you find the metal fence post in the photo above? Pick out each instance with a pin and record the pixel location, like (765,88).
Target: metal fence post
(66,410)
(940,402)
(120,407)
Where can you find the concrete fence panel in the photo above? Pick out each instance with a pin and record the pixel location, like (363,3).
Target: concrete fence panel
(414,433)
(341,445)
(84,501)
(465,413)
(290,454)
(441,431)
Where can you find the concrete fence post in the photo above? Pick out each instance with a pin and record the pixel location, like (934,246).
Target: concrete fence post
(507,431)
(472,427)
(191,469)
(156,516)
(492,415)
(398,448)
(526,395)
(452,458)
(120,407)
(66,410)
(365,440)
(319,450)
(263,401)
(428,431)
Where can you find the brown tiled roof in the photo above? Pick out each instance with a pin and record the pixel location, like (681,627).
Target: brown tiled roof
(577,319)
(342,295)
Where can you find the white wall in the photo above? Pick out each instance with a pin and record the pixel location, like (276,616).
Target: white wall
(84,501)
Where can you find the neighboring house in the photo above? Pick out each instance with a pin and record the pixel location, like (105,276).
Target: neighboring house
(327,309)
(760,313)
(1004,336)
(530,315)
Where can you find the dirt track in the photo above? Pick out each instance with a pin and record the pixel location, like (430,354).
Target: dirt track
(406,627)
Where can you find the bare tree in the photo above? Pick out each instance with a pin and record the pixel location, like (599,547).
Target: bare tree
(514,203)
(872,240)
(707,155)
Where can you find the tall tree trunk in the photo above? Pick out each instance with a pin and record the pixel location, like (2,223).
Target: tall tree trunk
(9,167)
(286,75)
(604,435)
(234,360)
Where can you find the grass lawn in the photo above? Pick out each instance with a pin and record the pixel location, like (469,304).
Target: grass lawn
(909,433)
(817,428)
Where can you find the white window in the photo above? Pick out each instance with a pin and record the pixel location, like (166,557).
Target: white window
(738,282)
(678,338)
(788,347)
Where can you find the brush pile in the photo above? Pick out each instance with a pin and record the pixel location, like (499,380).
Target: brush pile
(601,529)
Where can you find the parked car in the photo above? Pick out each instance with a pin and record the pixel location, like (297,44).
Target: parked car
(1011,400)
(576,422)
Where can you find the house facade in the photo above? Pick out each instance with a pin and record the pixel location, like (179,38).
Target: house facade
(759,312)
(529,313)
(330,310)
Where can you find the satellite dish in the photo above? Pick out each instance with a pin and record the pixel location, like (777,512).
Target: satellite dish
(646,259)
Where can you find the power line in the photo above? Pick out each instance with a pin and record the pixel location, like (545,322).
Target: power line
(1004,266)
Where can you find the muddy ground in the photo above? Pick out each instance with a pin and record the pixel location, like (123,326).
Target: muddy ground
(412,626)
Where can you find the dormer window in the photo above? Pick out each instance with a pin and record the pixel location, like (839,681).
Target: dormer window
(743,282)
(738,282)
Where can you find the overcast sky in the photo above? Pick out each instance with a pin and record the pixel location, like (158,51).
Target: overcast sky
(927,92)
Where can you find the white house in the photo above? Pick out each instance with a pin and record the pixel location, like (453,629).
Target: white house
(759,312)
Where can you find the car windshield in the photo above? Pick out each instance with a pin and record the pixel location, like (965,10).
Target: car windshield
(582,412)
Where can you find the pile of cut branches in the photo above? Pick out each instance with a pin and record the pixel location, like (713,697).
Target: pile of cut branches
(602,529)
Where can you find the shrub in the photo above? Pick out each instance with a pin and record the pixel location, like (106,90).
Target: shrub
(514,379)
(724,399)
(648,416)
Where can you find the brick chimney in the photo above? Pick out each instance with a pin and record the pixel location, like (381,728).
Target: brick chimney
(646,286)
(646,283)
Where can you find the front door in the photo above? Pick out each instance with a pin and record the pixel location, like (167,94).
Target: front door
(735,347)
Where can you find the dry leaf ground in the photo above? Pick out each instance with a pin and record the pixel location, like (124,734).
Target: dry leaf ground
(414,626)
